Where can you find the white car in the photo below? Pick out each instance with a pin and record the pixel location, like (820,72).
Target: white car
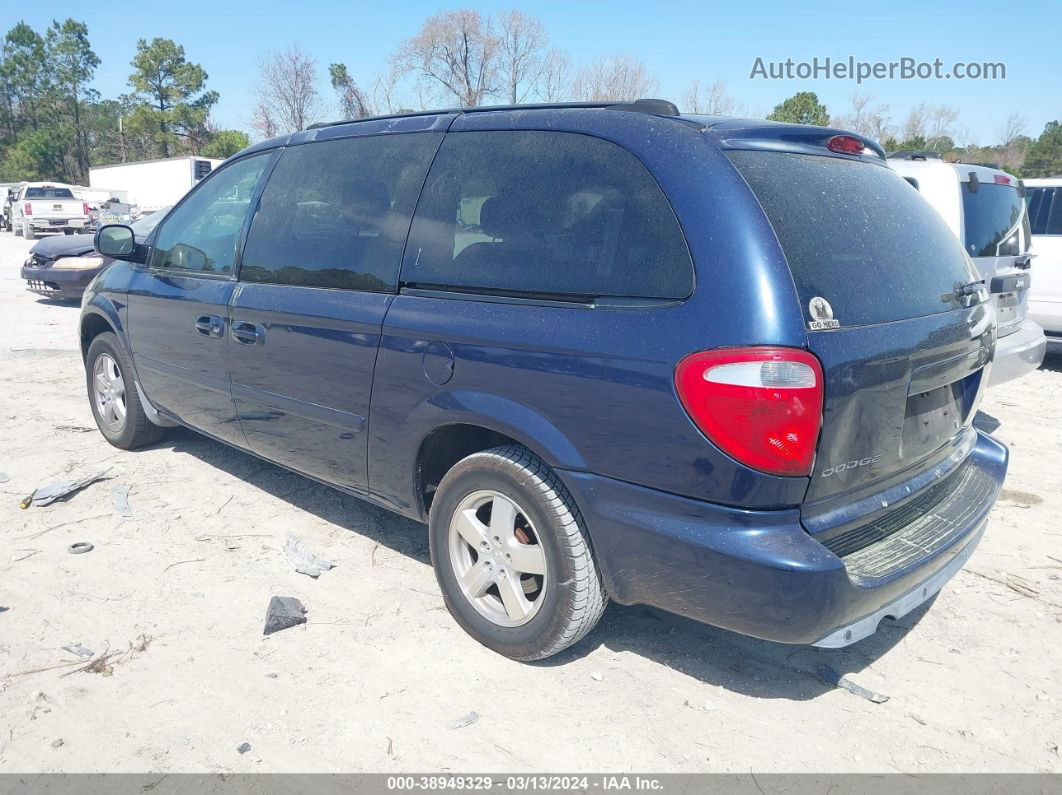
(47,207)
(1043,197)
(984,208)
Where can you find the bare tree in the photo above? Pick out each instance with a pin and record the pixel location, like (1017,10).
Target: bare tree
(1013,142)
(941,122)
(914,126)
(522,47)
(554,78)
(286,95)
(1012,128)
(617,78)
(386,86)
(457,52)
(865,118)
(712,100)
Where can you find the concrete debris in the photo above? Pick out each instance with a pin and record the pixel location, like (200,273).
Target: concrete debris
(284,612)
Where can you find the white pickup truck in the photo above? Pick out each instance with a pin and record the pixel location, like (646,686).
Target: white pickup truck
(47,207)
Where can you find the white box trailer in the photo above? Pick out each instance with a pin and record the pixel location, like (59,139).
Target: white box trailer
(152,184)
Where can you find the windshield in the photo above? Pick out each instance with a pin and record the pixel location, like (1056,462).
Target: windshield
(49,193)
(991,219)
(859,236)
(144,226)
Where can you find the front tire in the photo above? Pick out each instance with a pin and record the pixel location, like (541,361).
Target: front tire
(113,396)
(512,556)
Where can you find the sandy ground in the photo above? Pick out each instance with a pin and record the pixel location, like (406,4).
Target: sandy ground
(380,673)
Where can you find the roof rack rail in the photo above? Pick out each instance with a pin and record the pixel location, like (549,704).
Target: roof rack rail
(914,155)
(660,107)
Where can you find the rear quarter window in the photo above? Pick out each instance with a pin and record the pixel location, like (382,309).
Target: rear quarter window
(858,235)
(545,214)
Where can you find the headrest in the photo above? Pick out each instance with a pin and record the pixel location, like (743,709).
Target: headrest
(367,196)
(510,216)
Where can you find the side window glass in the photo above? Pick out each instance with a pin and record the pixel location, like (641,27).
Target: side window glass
(545,214)
(202,234)
(335,214)
(1053,213)
(1034,198)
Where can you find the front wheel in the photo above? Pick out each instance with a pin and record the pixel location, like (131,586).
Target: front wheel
(512,556)
(113,396)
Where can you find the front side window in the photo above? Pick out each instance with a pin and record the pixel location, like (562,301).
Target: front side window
(545,214)
(991,219)
(201,235)
(335,214)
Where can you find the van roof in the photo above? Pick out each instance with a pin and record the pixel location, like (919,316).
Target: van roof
(729,132)
(659,107)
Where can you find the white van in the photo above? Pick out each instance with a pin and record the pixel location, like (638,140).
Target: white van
(984,207)
(1043,197)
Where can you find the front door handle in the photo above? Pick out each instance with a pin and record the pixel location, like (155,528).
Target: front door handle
(210,326)
(247,333)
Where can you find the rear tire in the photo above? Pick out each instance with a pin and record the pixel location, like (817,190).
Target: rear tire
(114,398)
(545,613)
(27,232)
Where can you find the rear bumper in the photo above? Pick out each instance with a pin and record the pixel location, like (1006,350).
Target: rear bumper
(56,225)
(759,572)
(1018,353)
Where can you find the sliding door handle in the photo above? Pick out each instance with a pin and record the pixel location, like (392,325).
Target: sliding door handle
(247,333)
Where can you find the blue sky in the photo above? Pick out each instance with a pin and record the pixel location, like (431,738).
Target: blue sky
(680,41)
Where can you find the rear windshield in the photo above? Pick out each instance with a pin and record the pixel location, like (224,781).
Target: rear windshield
(857,235)
(49,193)
(991,219)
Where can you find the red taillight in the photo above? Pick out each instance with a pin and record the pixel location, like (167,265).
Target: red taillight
(1001,179)
(85,208)
(27,209)
(761,406)
(846,145)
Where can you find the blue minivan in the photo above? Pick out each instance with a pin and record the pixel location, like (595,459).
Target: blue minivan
(606,351)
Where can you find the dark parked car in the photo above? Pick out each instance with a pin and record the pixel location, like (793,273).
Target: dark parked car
(62,267)
(726,368)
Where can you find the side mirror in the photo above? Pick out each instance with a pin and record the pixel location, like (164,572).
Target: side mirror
(115,241)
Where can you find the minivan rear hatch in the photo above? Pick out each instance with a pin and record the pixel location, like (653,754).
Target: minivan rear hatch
(997,237)
(894,312)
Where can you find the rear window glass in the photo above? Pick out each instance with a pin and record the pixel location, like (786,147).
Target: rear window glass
(857,235)
(991,219)
(545,214)
(49,193)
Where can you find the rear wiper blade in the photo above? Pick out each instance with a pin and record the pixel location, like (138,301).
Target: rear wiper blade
(977,289)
